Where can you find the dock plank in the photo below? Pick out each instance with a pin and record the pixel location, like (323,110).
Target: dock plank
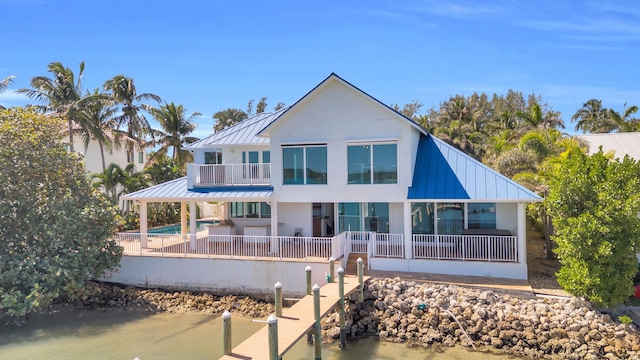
(295,322)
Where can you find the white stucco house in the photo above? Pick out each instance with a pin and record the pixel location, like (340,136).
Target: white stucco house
(93,159)
(339,173)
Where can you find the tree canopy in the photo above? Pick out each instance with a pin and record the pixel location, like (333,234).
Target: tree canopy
(231,116)
(62,93)
(595,203)
(54,225)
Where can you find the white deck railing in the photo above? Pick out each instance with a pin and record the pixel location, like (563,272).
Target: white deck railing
(388,246)
(466,247)
(229,246)
(359,241)
(488,248)
(201,175)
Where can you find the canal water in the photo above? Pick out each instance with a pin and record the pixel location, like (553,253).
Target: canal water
(129,333)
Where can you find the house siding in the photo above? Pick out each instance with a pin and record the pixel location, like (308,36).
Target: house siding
(337,116)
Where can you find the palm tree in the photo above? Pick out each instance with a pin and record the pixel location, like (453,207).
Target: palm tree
(624,121)
(175,130)
(98,119)
(62,93)
(163,169)
(123,91)
(110,180)
(593,118)
(4,84)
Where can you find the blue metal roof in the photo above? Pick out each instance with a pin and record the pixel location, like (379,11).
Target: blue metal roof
(242,133)
(443,172)
(176,190)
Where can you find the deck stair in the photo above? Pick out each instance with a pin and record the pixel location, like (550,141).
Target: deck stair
(352,263)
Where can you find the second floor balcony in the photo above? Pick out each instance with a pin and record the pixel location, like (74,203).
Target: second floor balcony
(223,175)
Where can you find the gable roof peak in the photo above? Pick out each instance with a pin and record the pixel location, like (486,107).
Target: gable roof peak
(334,76)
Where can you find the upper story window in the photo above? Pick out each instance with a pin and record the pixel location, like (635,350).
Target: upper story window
(140,157)
(213,157)
(373,163)
(304,164)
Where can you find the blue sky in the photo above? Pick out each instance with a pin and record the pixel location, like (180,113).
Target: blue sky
(211,55)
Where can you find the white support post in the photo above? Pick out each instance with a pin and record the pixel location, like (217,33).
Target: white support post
(192,224)
(522,233)
(275,241)
(183,218)
(408,231)
(143,224)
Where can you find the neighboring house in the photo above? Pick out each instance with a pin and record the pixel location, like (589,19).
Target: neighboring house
(93,159)
(626,143)
(339,173)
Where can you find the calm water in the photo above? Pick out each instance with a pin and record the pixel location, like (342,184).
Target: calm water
(126,334)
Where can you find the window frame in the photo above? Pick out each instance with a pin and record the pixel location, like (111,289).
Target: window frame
(372,162)
(258,211)
(305,169)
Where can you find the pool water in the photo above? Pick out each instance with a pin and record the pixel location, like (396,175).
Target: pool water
(175,228)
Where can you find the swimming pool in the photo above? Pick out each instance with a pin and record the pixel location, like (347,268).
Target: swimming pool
(175,228)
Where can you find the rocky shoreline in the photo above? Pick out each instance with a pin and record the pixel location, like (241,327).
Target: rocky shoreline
(116,296)
(427,314)
(545,328)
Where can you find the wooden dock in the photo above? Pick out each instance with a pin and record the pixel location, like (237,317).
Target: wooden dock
(295,322)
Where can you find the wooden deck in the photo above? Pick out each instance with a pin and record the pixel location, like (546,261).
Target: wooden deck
(295,322)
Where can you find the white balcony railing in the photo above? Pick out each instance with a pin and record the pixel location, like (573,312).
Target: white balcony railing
(204,175)
(488,248)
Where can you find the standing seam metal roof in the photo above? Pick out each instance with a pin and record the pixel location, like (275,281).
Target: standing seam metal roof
(242,133)
(622,143)
(176,190)
(444,172)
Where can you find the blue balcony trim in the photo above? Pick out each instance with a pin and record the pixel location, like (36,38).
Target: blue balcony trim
(232,188)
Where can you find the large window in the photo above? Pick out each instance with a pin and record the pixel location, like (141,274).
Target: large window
(363,217)
(304,164)
(481,215)
(373,164)
(422,218)
(450,218)
(250,210)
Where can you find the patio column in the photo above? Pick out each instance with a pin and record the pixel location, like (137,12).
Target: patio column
(408,230)
(522,234)
(275,242)
(183,217)
(143,224)
(192,224)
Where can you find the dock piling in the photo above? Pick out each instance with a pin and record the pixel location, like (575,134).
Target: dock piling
(343,328)
(273,337)
(308,271)
(332,266)
(278,301)
(226,332)
(318,330)
(360,281)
